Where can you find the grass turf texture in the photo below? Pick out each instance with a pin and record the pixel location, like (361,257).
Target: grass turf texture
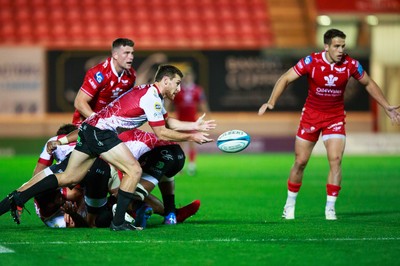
(242,196)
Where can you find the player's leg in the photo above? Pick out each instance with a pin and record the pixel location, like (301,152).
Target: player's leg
(335,147)
(192,151)
(143,206)
(96,188)
(121,157)
(77,167)
(303,150)
(167,189)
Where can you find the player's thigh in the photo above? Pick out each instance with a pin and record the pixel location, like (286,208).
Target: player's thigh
(78,165)
(303,149)
(121,157)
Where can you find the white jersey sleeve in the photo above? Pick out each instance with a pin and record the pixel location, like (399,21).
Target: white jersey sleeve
(153,106)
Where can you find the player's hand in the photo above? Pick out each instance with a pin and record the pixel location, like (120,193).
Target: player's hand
(394,114)
(201,138)
(52,145)
(205,125)
(264,108)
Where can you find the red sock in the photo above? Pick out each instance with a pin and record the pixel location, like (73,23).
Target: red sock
(192,155)
(332,190)
(293,187)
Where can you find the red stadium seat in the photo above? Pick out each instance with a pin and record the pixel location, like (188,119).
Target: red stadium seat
(193,24)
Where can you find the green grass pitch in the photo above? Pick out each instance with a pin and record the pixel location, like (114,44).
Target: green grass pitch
(242,196)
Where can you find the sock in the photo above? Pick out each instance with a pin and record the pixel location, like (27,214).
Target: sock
(330,202)
(124,198)
(50,182)
(192,155)
(4,206)
(293,190)
(169,204)
(332,192)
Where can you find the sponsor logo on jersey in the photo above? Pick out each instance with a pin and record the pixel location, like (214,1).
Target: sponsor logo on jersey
(99,77)
(330,80)
(360,69)
(160,165)
(308,60)
(336,126)
(300,65)
(307,130)
(91,82)
(328,92)
(322,68)
(124,81)
(166,156)
(157,107)
(340,70)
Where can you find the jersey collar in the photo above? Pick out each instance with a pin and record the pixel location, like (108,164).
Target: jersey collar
(158,91)
(114,70)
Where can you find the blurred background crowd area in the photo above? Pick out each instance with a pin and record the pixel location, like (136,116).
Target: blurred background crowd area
(238,48)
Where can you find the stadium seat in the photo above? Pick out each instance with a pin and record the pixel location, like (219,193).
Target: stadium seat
(199,24)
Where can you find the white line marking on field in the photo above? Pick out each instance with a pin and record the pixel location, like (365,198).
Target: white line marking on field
(5,250)
(206,240)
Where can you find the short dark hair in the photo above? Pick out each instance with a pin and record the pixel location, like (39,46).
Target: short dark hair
(122,42)
(66,129)
(167,70)
(333,33)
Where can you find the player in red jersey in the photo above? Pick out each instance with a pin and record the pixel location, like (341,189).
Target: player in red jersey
(106,81)
(187,103)
(323,114)
(98,136)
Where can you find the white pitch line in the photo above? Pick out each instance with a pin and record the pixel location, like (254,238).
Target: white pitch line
(5,250)
(222,240)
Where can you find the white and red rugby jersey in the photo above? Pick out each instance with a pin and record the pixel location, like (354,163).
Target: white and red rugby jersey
(137,106)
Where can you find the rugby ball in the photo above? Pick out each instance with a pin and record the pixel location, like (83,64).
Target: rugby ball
(233,141)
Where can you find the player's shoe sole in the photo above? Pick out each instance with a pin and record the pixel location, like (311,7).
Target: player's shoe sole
(126,226)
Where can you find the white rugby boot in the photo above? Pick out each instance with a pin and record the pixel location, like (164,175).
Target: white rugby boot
(288,212)
(330,213)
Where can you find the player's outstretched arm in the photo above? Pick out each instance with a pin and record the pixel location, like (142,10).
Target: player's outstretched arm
(168,134)
(280,85)
(199,125)
(375,91)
